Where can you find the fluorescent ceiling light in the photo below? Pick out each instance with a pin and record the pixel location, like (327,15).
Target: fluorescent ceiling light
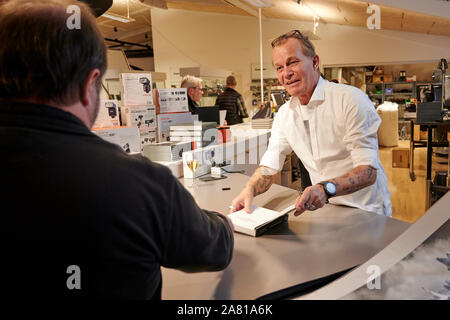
(118,17)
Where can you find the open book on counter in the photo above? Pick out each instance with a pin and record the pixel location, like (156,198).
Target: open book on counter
(258,221)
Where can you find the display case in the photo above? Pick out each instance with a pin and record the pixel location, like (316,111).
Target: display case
(399,92)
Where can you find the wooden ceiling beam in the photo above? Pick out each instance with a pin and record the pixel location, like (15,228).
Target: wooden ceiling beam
(246,8)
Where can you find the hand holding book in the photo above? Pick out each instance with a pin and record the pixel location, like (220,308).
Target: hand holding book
(258,221)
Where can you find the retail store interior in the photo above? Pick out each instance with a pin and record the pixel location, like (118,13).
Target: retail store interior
(397,62)
(233,150)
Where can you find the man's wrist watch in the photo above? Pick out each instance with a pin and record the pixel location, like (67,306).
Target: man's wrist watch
(329,188)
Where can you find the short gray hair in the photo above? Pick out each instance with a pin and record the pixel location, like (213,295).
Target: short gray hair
(190,81)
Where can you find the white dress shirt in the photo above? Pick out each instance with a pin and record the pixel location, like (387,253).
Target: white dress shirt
(334,133)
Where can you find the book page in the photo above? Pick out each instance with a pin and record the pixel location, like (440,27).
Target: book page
(259,216)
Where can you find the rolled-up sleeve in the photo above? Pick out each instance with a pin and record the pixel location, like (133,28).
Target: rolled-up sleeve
(278,147)
(362,124)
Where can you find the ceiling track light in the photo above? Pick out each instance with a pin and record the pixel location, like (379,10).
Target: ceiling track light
(316,23)
(118,17)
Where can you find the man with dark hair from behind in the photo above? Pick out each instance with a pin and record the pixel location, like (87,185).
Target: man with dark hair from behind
(80,217)
(231,101)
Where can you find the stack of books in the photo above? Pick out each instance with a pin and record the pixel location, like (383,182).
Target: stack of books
(166,151)
(201,133)
(265,123)
(258,221)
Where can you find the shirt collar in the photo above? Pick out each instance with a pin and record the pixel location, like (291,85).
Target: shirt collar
(318,94)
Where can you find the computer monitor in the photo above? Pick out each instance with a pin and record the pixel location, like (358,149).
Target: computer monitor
(277,98)
(209,114)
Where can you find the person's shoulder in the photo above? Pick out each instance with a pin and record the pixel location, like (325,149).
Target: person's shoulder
(283,113)
(341,88)
(124,162)
(285,107)
(153,168)
(346,92)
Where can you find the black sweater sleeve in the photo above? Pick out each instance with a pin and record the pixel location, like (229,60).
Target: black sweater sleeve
(198,240)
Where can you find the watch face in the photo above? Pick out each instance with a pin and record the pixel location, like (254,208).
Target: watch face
(331,188)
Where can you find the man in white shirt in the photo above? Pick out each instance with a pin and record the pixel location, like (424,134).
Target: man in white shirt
(333,130)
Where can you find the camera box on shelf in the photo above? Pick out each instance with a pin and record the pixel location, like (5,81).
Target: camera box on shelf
(125,137)
(108,115)
(139,116)
(148,135)
(172,100)
(136,89)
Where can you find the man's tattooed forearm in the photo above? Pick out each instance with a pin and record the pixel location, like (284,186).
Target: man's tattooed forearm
(351,189)
(370,171)
(358,178)
(262,184)
(259,183)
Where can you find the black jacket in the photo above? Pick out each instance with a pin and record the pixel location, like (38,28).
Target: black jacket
(232,101)
(72,199)
(192,106)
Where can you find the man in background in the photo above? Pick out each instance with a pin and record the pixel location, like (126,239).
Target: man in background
(194,92)
(231,101)
(80,217)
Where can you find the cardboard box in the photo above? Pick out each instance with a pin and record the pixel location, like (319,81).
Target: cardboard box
(416,132)
(125,137)
(172,100)
(136,89)
(108,115)
(423,135)
(148,135)
(139,116)
(400,158)
(380,78)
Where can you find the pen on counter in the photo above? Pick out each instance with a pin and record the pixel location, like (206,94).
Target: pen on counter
(226,189)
